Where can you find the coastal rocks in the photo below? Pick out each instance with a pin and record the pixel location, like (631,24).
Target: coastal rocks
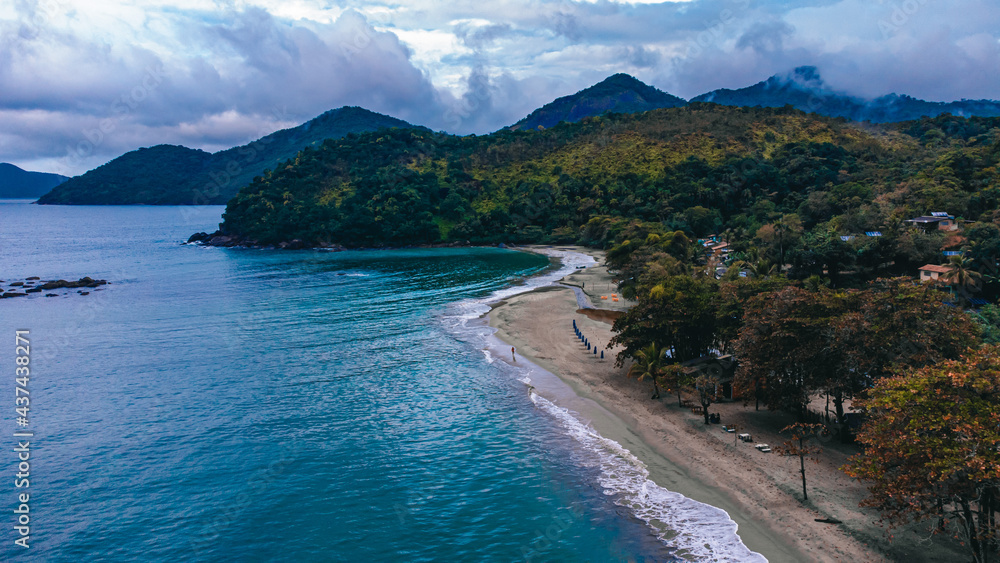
(28,286)
(63,284)
(226,240)
(219,239)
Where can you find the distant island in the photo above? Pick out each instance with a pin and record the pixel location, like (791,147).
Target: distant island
(176,175)
(16,183)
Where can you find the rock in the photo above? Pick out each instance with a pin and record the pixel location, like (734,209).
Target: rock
(12,294)
(222,240)
(296,244)
(86,281)
(17,284)
(33,278)
(57,284)
(33,290)
(84,292)
(501,245)
(51,295)
(199,237)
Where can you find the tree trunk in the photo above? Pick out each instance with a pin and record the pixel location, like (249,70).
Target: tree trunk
(802,468)
(704,408)
(656,389)
(680,402)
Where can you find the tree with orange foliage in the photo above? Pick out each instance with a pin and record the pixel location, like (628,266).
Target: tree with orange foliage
(932,449)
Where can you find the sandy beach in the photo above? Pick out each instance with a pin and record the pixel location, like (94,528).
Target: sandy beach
(761,492)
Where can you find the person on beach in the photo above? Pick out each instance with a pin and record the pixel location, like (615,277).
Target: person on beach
(512,358)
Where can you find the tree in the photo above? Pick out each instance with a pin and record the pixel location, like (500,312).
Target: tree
(675,378)
(677,313)
(801,434)
(782,346)
(647,365)
(932,449)
(707,386)
(963,277)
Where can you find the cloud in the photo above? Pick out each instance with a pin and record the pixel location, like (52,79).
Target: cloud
(144,72)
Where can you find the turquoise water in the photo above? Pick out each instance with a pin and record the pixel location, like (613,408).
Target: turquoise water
(236,405)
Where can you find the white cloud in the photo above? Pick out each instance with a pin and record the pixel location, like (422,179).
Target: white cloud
(466,65)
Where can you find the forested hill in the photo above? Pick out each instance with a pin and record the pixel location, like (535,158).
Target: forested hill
(619,93)
(701,168)
(22,184)
(176,175)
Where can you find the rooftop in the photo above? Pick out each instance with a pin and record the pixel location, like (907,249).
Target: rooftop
(936,268)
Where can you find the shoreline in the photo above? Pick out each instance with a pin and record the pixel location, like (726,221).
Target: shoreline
(760,492)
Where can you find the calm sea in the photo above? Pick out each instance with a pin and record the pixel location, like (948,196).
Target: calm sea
(237,405)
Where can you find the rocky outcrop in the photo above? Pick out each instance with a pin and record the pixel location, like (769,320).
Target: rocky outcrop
(63,284)
(218,238)
(28,286)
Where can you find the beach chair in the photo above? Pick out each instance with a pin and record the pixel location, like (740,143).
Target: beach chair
(764,448)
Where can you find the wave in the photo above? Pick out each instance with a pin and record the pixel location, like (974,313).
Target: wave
(695,530)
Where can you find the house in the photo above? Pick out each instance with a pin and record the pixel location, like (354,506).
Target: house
(720,249)
(933,272)
(936,221)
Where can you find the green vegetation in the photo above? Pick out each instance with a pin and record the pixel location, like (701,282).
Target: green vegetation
(932,449)
(174,175)
(777,179)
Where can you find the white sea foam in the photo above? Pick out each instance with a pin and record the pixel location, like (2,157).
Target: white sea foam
(474,308)
(696,530)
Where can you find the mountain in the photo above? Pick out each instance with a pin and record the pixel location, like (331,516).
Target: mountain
(804,89)
(619,93)
(701,169)
(176,175)
(16,183)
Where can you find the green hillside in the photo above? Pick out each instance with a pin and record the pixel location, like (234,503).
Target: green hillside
(700,169)
(175,175)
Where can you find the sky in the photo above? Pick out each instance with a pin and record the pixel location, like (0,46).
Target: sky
(84,82)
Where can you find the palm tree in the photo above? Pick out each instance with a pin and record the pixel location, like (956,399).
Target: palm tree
(753,262)
(963,277)
(647,364)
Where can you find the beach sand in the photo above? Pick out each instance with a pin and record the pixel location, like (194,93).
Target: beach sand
(761,492)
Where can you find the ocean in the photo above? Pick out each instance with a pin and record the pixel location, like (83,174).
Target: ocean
(217,404)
